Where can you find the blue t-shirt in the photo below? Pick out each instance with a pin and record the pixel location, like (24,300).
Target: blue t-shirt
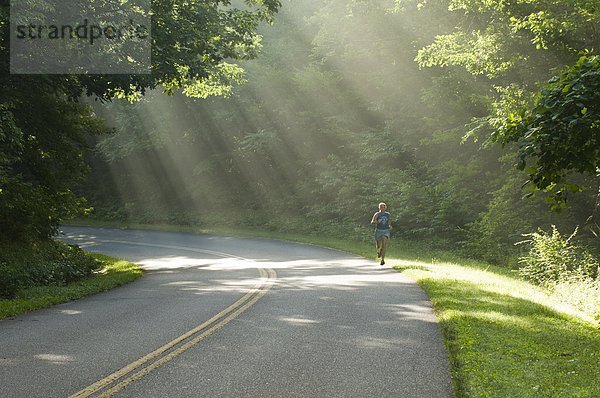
(383,218)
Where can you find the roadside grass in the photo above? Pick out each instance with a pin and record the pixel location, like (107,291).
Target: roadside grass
(115,272)
(505,337)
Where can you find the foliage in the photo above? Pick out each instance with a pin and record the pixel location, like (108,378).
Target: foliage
(561,134)
(481,59)
(42,264)
(190,41)
(516,46)
(561,27)
(46,135)
(114,273)
(44,129)
(11,280)
(567,270)
(510,213)
(554,259)
(325,129)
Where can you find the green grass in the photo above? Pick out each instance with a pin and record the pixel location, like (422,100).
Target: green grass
(504,336)
(114,273)
(507,338)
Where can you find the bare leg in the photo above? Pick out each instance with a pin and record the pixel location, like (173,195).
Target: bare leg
(378,245)
(384,243)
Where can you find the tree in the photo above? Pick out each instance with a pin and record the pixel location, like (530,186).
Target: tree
(191,42)
(44,129)
(43,137)
(561,133)
(514,48)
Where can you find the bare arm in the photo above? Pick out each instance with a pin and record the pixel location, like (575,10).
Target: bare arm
(375,219)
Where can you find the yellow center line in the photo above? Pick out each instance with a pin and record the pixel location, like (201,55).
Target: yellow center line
(177,346)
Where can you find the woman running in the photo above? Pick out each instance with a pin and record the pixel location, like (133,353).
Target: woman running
(382,230)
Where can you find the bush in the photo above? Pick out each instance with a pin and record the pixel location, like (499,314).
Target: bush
(11,280)
(553,259)
(568,271)
(41,264)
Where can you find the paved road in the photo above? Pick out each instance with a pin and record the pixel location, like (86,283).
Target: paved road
(229,317)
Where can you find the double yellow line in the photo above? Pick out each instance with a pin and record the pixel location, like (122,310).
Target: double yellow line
(120,379)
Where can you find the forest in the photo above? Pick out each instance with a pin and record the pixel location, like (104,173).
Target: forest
(477,122)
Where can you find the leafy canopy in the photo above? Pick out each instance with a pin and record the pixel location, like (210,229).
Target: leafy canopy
(561,133)
(515,47)
(44,130)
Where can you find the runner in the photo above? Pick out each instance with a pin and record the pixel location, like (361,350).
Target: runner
(382,230)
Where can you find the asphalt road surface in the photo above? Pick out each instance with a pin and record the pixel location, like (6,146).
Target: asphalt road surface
(229,317)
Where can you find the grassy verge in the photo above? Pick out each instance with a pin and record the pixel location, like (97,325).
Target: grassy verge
(505,337)
(114,273)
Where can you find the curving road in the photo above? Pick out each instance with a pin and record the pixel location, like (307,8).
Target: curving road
(229,317)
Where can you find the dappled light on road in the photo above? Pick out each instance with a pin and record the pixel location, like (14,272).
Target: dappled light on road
(69,312)
(54,358)
(298,321)
(175,262)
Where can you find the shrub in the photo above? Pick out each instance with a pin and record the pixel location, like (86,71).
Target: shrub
(42,264)
(11,280)
(553,259)
(568,271)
